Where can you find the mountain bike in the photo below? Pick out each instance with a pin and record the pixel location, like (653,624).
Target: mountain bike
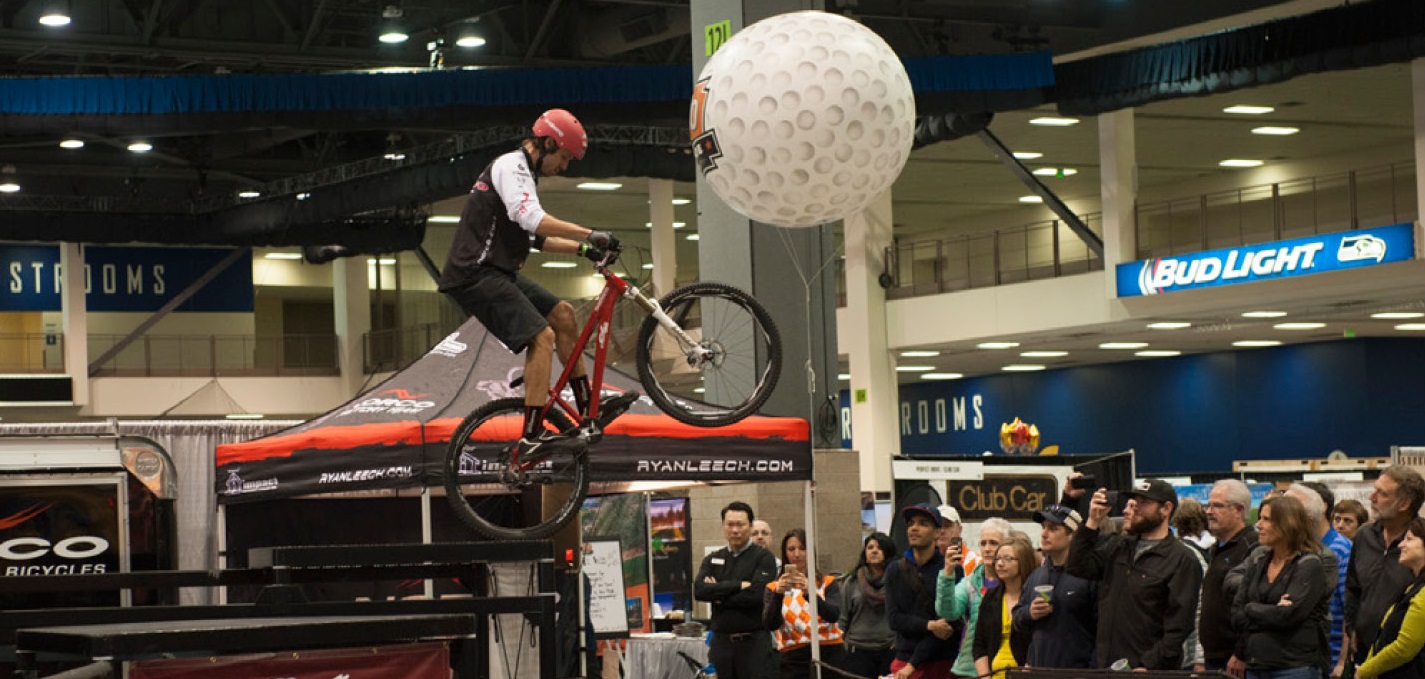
(698,355)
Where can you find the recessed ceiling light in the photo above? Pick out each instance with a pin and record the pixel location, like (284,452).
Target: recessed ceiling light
(1157,353)
(1396,315)
(1257,343)
(1052,121)
(1022,368)
(55,20)
(303,196)
(1411,326)
(676,225)
(1123,345)
(699,390)
(443,219)
(941,376)
(244,416)
(914,368)
(282,255)
(1043,354)
(682,201)
(72,144)
(470,41)
(1170,325)
(249,194)
(1240,162)
(1056,172)
(1274,131)
(997,345)
(1248,110)
(1299,326)
(393,37)
(1264,314)
(9,187)
(394,156)
(844,377)
(140,147)
(384,261)
(1030,199)
(917,353)
(1028,155)
(648,265)
(599,186)
(559,264)
(692,236)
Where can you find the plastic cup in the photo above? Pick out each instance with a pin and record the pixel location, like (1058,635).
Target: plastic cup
(1044,592)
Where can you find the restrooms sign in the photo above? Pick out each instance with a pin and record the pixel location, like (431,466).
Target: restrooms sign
(1268,261)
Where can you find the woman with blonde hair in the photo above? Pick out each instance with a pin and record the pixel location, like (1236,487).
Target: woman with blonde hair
(997,644)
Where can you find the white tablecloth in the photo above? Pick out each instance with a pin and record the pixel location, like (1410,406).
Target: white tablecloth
(656,657)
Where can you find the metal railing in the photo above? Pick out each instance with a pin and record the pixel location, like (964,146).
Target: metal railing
(32,353)
(219,355)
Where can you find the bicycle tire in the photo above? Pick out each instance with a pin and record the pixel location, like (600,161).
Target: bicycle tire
(726,319)
(499,506)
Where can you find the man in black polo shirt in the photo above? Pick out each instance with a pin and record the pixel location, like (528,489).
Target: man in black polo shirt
(1375,577)
(733,579)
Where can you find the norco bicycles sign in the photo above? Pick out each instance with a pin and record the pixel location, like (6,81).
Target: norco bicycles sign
(1268,261)
(53,529)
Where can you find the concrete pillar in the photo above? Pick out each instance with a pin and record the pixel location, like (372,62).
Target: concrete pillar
(874,389)
(1118,162)
(75,323)
(351,295)
(1417,89)
(663,241)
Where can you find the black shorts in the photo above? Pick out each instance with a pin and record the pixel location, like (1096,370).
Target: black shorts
(513,307)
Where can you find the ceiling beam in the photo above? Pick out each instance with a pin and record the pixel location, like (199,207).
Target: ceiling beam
(315,26)
(151,21)
(543,29)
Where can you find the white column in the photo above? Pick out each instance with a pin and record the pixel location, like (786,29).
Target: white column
(351,294)
(75,323)
(1118,163)
(663,241)
(874,392)
(1417,89)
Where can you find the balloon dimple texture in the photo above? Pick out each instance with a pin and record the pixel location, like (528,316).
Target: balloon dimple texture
(813,114)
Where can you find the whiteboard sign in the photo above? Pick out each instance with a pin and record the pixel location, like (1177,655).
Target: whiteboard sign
(603,565)
(933,470)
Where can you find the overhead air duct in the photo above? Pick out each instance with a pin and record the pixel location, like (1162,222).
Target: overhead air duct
(608,33)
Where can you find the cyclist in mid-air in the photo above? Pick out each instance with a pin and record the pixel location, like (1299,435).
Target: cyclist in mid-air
(501,221)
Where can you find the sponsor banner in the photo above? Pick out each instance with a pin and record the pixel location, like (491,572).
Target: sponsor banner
(713,458)
(316,471)
(124,278)
(405,661)
(52,529)
(1015,497)
(1268,261)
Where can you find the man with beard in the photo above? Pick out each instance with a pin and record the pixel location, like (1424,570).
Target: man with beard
(1375,577)
(1148,580)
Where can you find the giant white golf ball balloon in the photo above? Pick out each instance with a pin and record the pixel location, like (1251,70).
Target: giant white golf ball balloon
(802,119)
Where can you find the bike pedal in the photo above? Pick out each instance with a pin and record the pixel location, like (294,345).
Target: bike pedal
(612,406)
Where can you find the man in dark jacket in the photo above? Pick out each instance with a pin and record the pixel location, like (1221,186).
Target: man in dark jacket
(925,645)
(1227,506)
(1061,624)
(1375,577)
(1149,581)
(733,579)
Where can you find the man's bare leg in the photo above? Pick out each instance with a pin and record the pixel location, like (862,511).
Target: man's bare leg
(537,358)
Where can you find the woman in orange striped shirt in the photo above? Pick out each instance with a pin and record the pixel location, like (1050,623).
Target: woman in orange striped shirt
(786,611)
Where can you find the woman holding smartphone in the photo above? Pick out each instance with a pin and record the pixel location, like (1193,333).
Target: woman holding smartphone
(786,610)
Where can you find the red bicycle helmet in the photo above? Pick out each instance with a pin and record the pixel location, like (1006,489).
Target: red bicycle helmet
(568,134)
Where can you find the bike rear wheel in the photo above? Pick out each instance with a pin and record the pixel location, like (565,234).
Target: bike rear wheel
(718,381)
(496,498)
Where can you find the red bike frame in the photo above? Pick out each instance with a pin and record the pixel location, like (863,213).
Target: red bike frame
(600,318)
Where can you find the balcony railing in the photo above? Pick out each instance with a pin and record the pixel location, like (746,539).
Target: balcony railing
(32,353)
(218,355)
(1023,253)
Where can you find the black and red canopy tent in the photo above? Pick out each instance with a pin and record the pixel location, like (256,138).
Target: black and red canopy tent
(395,434)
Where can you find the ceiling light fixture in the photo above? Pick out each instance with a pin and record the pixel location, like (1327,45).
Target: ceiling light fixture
(140,147)
(9,186)
(1157,353)
(391,32)
(1043,354)
(55,13)
(1243,109)
(1397,315)
(919,353)
(1273,131)
(394,156)
(1123,345)
(72,143)
(1299,326)
(1022,368)
(997,345)
(560,264)
(1170,325)
(1030,199)
(844,377)
(283,255)
(1413,327)
(249,194)
(682,201)
(648,265)
(470,41)
(1028,155)
(914,368)
(692,236)
(384,261)
(1240,162)
(941,376)
(1257,343)
(1056,172)
(599,186)
(1263,314)
(303,196)
(244,416)
(393,37)
(1051,121)
(443,219)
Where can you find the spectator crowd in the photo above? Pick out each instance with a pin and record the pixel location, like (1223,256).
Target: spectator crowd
(1310,589)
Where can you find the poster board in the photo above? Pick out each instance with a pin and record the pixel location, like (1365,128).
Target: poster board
(603,566)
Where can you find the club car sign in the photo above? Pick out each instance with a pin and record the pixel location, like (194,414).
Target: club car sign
(1268,261)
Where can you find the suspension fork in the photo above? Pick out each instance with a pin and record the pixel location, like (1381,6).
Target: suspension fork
(651,305)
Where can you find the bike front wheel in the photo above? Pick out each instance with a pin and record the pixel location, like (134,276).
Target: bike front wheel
(725,369)
(500,499)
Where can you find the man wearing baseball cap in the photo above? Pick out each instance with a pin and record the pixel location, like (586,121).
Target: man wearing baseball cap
(952,532)
(925,645)
(1148,581)
(1058,609)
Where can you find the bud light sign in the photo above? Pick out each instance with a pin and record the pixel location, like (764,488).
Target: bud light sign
(1268,261)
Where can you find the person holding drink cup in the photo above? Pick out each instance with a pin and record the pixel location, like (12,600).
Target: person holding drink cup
(1063,614)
